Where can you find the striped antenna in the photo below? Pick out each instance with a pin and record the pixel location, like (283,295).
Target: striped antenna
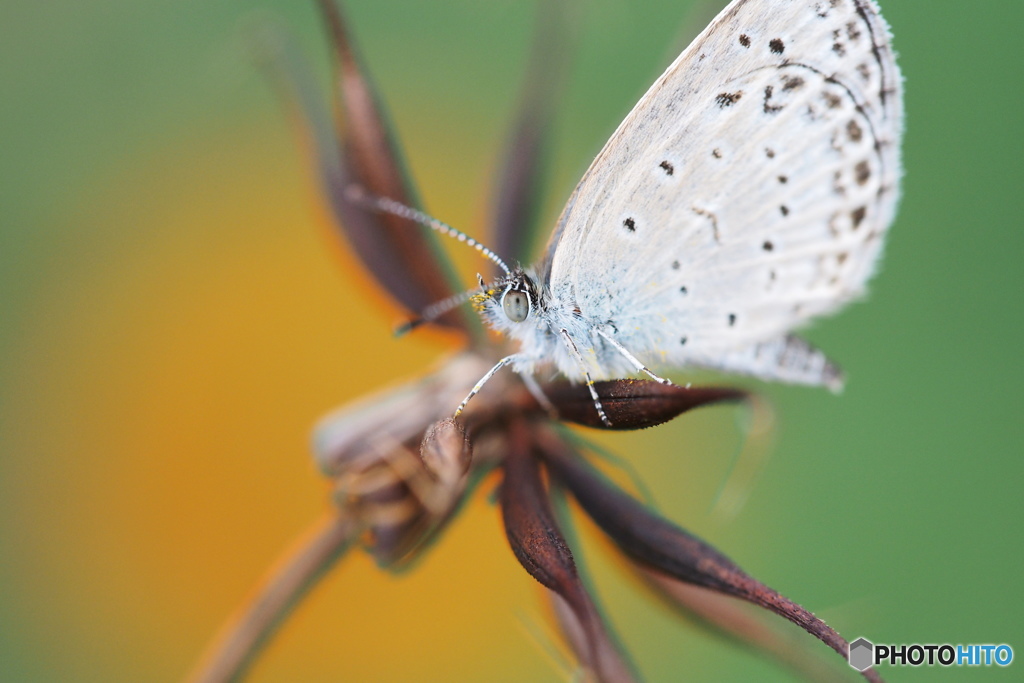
(357,194)
(435,311)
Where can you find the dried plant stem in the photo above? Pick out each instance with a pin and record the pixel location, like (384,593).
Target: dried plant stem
(295,572)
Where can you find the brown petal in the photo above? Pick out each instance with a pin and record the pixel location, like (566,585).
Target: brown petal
(446,452)
(401,254)
(380,494)
(654,541)
(633,403)
(521,179)
(744,624)
(539,546)
(292,77)
(405,501)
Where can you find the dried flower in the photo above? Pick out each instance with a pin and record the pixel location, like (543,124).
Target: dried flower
(401,465)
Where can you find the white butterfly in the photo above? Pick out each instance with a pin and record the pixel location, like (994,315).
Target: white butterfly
(748,192)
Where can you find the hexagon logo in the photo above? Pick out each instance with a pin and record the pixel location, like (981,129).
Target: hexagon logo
(861,654)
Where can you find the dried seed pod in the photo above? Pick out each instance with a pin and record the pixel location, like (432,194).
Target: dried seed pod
(446,452)
(634,403)
(541,548)
(399,414)
(393,249)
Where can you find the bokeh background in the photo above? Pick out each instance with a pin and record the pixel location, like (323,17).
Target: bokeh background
(175,315)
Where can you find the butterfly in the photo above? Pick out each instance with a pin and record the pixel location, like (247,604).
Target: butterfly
(748,192)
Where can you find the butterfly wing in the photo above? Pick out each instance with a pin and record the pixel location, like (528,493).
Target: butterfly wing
(748,191)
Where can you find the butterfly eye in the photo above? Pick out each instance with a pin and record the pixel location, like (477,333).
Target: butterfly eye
(516,305)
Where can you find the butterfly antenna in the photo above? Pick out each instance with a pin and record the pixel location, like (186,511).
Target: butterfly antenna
(359,195)
(435,311)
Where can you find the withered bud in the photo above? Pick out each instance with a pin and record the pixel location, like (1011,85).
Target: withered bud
(446,452)
(634,403)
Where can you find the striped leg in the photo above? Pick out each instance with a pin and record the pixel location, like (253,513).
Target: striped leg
(571,345)
(538,394)
(483,380)
(640,367)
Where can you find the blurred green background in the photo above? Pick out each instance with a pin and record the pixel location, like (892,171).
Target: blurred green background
(174,316)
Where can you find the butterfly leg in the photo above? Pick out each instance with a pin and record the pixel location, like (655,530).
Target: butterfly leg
(538,394)
(571,345)
(483,380)
(640,367)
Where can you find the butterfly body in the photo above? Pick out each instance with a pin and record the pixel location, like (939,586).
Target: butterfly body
(555,315)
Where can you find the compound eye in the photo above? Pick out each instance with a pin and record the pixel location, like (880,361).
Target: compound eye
(516,305)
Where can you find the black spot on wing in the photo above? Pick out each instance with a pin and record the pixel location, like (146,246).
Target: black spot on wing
(854,131)
(862,172)
(744,40)
(777,46)
(667,167)
(792,83)
(857,216)
(837,183)
(629,224)
(727,99)
(824,9)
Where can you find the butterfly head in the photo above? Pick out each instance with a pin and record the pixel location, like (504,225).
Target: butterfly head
(508,302)
(517,301)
